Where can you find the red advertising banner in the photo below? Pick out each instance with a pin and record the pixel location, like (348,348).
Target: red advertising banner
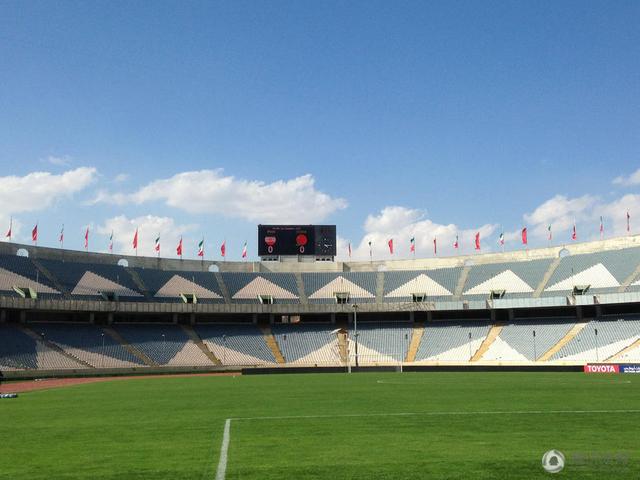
(602,368)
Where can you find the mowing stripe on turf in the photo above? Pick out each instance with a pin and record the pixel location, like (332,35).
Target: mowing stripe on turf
(224,448)
(407,414)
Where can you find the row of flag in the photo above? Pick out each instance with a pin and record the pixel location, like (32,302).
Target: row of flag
(134,243)
(390,244)
(501,240)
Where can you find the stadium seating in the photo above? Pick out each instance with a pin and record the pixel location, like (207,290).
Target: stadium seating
(167,286)
(440,284)
(245,287)
(320,287)
(390,340)
(307,344)
(164,344)
(516,278)
(21,272)
(88,343)
(451,341)
(236,344)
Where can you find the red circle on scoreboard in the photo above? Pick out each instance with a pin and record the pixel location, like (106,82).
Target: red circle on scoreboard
(270,241)
(301,239)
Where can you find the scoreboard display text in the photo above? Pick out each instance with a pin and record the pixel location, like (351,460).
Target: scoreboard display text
(319,240)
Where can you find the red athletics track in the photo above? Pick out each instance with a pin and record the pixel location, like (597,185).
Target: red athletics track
(47,383)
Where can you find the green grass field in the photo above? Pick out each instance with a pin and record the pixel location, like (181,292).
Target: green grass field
(331,426)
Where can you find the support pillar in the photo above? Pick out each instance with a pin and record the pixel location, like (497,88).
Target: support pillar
(511,314)
(493,315)
(429,316)
(254,318)
(579,312)
(23,316)
(412,316)
(271,319)
(192,319)
(598,310)
(110,318)
(333,318)
(92,318)
(3,316)
(174,318)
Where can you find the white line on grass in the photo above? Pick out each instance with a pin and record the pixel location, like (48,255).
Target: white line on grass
(224,449)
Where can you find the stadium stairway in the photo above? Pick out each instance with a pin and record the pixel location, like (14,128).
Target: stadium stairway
(616,356)
(343,348)
(627,281)
(462,280)
(142,288)
(223,287)
(563,341)
(543,283)
(380,287)
(416,338)
(53,346)
(486,343)
(304,300)
(133,350)
(54,281)
(200,344)
(271,343)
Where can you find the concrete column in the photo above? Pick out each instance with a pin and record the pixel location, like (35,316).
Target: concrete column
(598,310)
(92,318)
(511,314)
(110,318)
(333,319)
(429,316)
(23,316)
(3,316)
(579,312)
(271,319)
(493,315)
(412,316)
(254,318)
(192,319)
(174,318)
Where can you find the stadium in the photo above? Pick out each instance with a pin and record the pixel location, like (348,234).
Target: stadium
(501,340)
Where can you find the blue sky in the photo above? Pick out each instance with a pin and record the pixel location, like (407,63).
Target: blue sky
(386,118)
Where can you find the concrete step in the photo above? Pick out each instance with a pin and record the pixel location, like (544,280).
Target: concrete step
(563,341)
(272,344)
(487,342)
(200,344)
(130,348)
(38,338)
(416,338)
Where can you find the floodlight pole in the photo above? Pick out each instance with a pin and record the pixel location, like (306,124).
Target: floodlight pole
(224,352)
(470,354)
(355,328)
(102,359)
(597,355)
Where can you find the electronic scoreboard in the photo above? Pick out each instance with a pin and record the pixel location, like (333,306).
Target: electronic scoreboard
(282,240)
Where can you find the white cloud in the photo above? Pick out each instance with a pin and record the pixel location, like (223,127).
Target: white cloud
(39,190)
(208,191)
(149,227)
(64,161)
(633,179)
(121,177)
(401,224)
(561,211)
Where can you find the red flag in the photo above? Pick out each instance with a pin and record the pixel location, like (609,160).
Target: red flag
(86,239)
(179,247)
(524,236)
(135,240)
(390,243)
(8,235)
(477,240)
(223,248)
(244,250)
(349,249)
(435,246)
(456,244)
(574,234)
(34,233)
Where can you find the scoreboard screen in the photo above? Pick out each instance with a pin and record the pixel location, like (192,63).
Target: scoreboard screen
(276,240)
